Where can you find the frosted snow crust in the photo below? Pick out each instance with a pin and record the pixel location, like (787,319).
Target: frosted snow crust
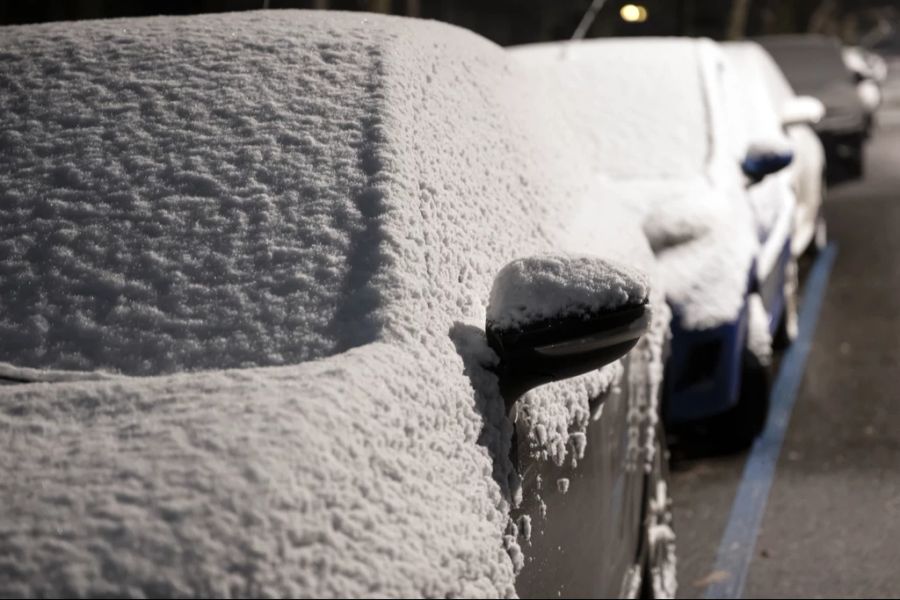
(317,203)
(532,289)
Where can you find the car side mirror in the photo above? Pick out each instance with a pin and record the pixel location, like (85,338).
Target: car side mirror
(763,159)
(802,110)
(551,318)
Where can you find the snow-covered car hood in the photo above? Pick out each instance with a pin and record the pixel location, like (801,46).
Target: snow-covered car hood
(704,243)
(332,478)
(318,202)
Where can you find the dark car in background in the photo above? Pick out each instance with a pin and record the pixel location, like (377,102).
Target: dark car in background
(814,66)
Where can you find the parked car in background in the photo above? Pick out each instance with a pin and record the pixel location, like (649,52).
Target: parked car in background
(798,115)
(314,304)
(673,145)
(773,199)
(870,72)
(773,111)
(814,66)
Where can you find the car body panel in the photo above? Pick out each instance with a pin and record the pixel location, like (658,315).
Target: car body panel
(771,288)
(703,372)
(808,179)
(585,518)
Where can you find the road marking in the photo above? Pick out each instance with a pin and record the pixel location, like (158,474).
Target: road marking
(739,540)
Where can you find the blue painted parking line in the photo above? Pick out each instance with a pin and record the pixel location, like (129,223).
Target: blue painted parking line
(739,540)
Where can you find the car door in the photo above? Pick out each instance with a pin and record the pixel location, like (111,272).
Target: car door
(585,519)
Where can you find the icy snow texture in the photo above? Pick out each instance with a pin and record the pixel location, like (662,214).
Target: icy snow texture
(179,195)
(266,189)
(614,81)
(659,131)
(540,287)
(759,340)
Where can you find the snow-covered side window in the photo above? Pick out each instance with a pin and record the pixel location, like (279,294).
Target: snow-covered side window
(728,119)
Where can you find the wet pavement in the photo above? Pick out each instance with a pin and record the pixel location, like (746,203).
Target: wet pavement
(831,527)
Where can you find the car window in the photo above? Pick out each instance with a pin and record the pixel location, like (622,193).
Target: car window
(810,65)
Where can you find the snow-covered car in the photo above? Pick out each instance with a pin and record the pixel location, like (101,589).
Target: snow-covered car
(773,111)
(673,145)
(797,115)
(814,66)
(870,72)
(308,304)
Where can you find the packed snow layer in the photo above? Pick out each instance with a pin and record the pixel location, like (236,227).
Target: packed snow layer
(533,289)
(759,340)
(639,126)
(705,243)
(645,105)
(188,194)
(233,484)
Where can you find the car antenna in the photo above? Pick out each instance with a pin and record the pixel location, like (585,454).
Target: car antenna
(586,21)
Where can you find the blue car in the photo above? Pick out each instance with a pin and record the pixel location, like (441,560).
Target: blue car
(715,373)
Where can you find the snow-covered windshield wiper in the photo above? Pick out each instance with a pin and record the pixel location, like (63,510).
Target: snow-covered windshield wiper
(13,375)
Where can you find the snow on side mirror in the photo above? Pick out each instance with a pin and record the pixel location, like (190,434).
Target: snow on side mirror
(764,158)
(554,317)
(802,110)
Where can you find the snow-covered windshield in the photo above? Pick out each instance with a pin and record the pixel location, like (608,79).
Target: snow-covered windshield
(648,106)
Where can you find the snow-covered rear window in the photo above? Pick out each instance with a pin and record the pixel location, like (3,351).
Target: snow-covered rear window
(647,102)
(179,201)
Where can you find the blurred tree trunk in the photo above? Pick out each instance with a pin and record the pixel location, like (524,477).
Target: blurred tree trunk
(320,4)
(826,18)
(413,8)
(380,6)
(737,21)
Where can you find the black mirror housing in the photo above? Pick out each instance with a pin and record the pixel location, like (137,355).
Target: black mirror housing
(558,348)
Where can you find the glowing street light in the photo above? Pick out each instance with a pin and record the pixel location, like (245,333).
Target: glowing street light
(633,13)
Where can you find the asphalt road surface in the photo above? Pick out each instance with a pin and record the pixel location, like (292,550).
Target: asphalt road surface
(831,527)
